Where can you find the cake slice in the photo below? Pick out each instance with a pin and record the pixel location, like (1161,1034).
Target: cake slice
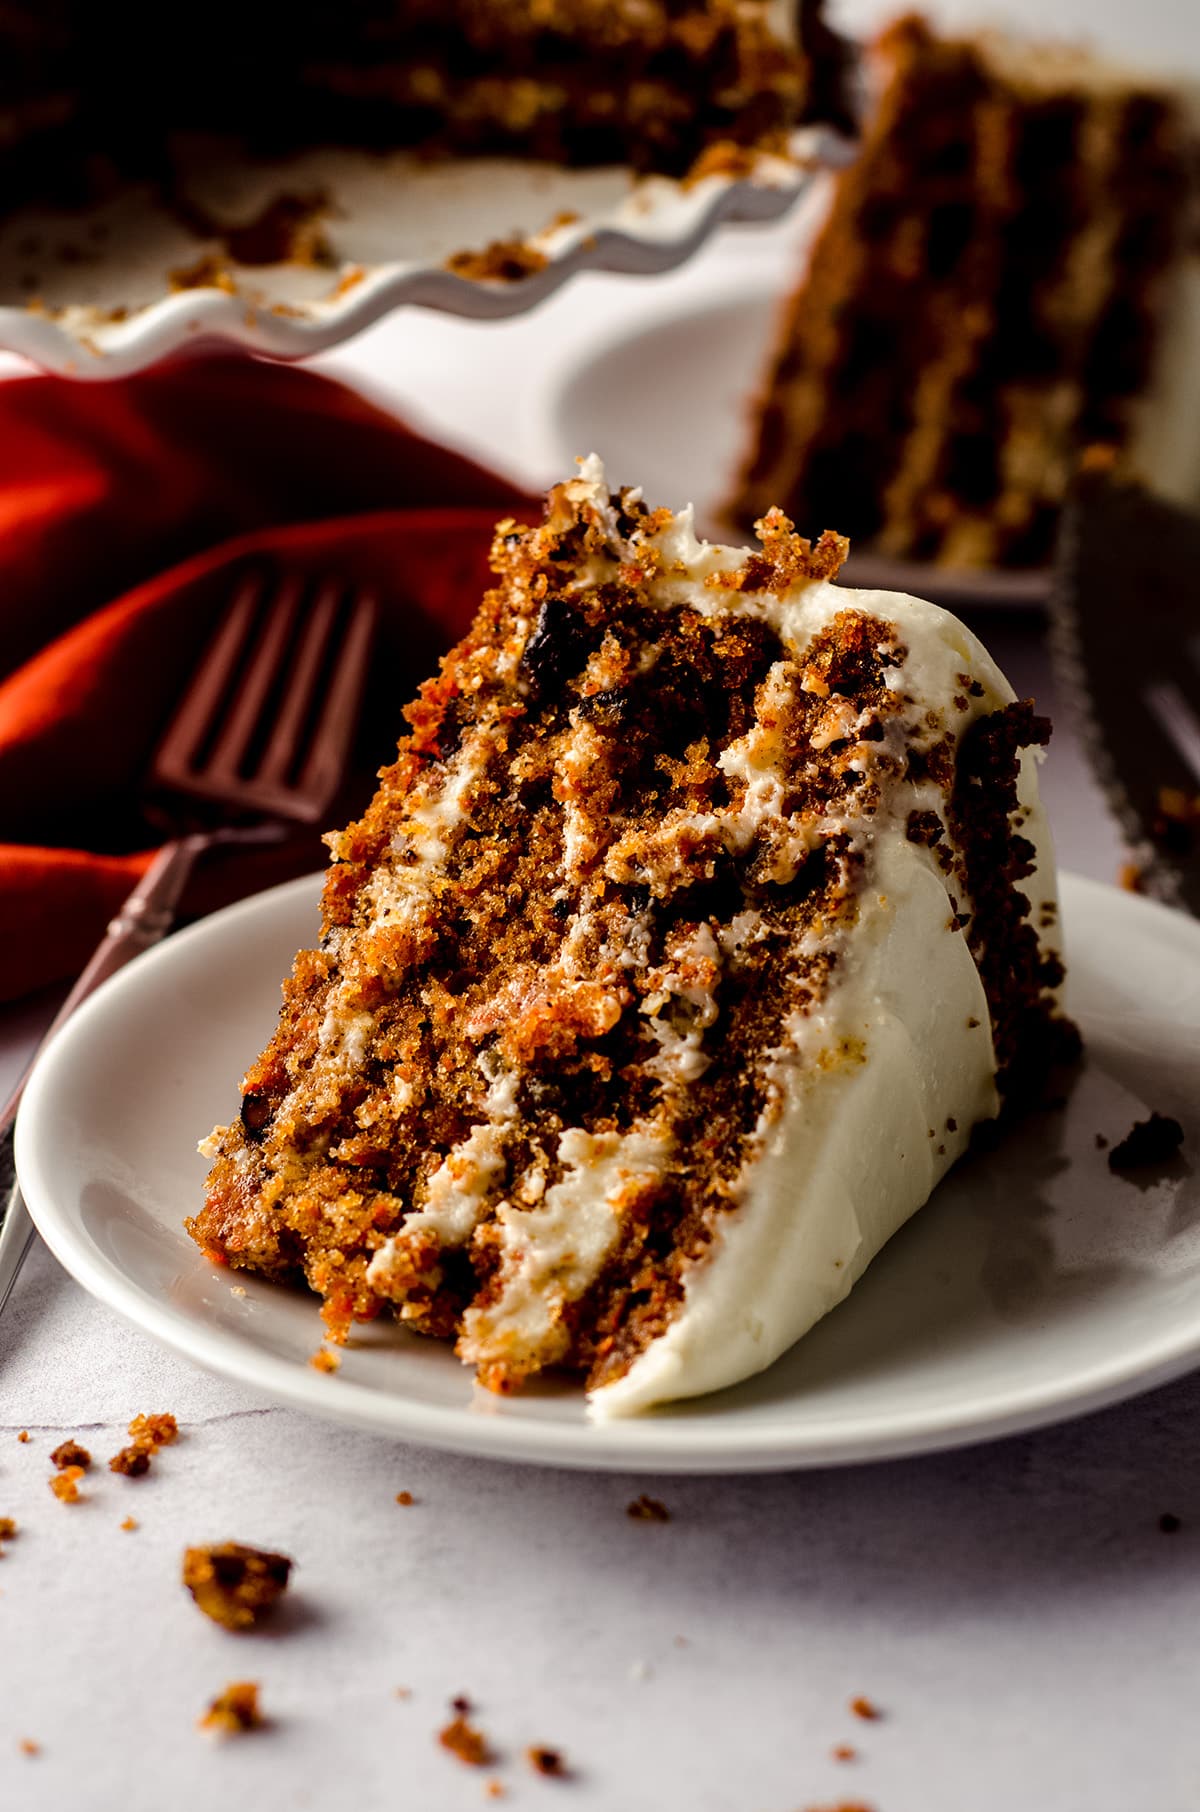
(1005,277)
(707,909)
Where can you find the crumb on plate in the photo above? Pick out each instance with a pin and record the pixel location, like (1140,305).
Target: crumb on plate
(1147,1142)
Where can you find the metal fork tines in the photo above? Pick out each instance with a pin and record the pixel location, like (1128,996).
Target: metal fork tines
(265,725)
(259,740)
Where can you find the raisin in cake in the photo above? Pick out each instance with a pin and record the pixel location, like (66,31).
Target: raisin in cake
(1003,279)
(707,909)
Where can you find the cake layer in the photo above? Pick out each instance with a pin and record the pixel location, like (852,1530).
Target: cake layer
(706,911)
(647,82)
(983,303)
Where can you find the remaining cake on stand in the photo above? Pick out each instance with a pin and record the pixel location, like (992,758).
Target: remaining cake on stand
(1005,278)
(707,910)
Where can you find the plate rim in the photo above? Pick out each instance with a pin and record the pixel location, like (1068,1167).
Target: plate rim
(625,1445)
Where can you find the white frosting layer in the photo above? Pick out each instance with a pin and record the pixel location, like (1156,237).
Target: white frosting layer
(882,1085)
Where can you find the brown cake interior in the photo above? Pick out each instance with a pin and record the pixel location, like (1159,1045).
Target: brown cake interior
(563,933)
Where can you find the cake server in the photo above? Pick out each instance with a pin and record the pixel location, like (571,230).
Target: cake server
(258,742)
(1125,639)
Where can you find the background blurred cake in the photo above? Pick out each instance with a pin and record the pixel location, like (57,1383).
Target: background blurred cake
(88,98)
(995,290)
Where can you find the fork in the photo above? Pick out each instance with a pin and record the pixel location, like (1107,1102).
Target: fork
(258,742)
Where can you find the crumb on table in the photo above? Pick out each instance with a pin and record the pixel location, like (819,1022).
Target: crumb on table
(147,1435)
(24,1435)
(466,1742)
(324,1360)
(1147,1142)
(232,1583)
(27,1746)
(132,1462)
(8,1527)
(405,1497)
(70,1453)
(865,1708)
(65,1484)
(550,1762)
(235,1709)
(130,1522)
(648,1510)
(844,1752)
(154,1432)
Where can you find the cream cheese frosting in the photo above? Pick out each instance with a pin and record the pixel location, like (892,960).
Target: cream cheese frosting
(880,1086)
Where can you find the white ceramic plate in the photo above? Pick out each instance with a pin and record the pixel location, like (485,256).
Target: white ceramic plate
(1035,1285)
(101,281)
(667,406)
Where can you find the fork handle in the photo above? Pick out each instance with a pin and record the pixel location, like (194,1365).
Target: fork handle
(145,917)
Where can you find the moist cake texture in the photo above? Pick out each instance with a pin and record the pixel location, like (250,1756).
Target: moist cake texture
(996,287)
(705,911)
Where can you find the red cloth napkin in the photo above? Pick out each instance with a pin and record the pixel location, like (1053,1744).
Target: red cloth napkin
(125,511)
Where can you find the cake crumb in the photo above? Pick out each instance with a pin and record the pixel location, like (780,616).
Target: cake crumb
(865,1708)
(466,1742)
(1147,1142)
(550,1762)
(153,1432)
(1131,878)
(461,1704)
(323,1360)
(65,1484)
(495,1789)
(844,1752)
(503,261)
(404,1692)
(405,1497)
(234,1710)
(130,1522)
(8,1527)
(646,1509)
(27,1746)
(1169,1523)
(70,1453)
(24,1435)
(237,1289)
(148,1433)
(132,1462)
(232,1583)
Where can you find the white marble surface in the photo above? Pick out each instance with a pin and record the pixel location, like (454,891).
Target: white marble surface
(1015,1610)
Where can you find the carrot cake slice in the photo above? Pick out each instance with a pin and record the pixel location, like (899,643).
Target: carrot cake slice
(1004,279)
(707,909)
